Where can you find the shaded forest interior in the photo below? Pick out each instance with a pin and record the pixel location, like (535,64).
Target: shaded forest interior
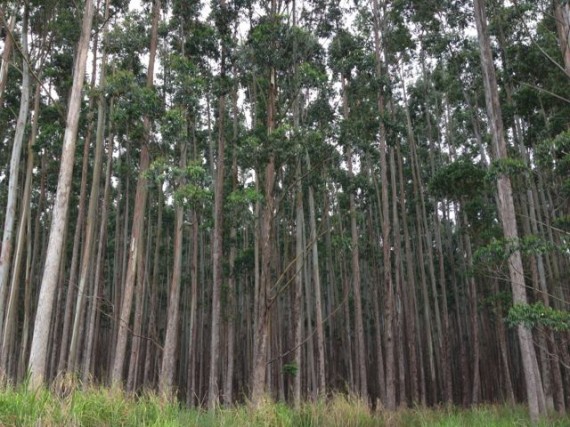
(234,199)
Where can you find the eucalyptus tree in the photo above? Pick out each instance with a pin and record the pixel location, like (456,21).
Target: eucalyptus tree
(562,19)
(10,213)
(90,232)
(135,255)
(535,392)
(40,340)
(346,54)
(223,17)
(7,51)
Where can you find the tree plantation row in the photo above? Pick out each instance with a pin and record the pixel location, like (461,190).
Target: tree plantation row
(228,201)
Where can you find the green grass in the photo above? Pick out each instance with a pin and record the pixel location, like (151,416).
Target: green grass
(111,407)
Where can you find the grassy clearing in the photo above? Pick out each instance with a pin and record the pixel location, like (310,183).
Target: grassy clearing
(108,407)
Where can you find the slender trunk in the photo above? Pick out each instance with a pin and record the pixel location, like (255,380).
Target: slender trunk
(6,53)
(138,218)
(149,374)
(192,392)
(217,250)
(31,246)
(133,372)
(263,298)
(90,229)
(101,246)
(168,368)
(321,372)
(410,291)
(11,204)
(562,18)
(48,289)
(297,311)
(535,393)
(359,325)
(232,312)
(473,308)
(22,240)
(386,245)
(134,258)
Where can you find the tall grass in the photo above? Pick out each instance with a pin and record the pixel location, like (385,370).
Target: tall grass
(69,406)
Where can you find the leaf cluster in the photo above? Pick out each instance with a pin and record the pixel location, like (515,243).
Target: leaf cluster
(538,315)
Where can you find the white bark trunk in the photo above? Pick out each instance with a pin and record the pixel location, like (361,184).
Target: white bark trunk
(39,349)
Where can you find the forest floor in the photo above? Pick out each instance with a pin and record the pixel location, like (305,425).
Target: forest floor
(107,407)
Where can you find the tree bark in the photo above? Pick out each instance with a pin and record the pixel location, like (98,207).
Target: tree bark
(138,217)
(168,368)
(11,204)
(535,393)
(6,53)
(217,250)
(40,341)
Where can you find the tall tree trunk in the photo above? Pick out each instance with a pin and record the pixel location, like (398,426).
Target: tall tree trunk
(410,291)
(321,372)
(142,280)
(232,309)
(90,229)
(191,390)
(535,393)
(356,285)
(138,217)
(263,297)
(296,309)
(48,289)
(217,250)
(166,378)
(562,18)
(389,305)
(11,204)
(22,240)
(6,53)
(101,247)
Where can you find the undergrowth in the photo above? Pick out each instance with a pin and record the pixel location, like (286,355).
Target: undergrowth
(92,406)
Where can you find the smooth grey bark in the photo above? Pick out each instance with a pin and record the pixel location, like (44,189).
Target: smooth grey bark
(321,372)
(48,289)
(138,218)
(232,309)
(217,250)
(101,247)
(6,53)
(22,241)
(389,305)
(355,262)
(92,220)
(562,19)
(263,298)
(168,367)
(297,311)
(534,389)
(13,191)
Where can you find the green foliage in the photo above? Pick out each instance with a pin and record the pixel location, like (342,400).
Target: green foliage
(345,53)
(555,153)
(188,186)
(457,181)
(290,369)
(536,315)
(272,43)
(127,40)
(498,250)
(563,222)
(506,167)
(132,100)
